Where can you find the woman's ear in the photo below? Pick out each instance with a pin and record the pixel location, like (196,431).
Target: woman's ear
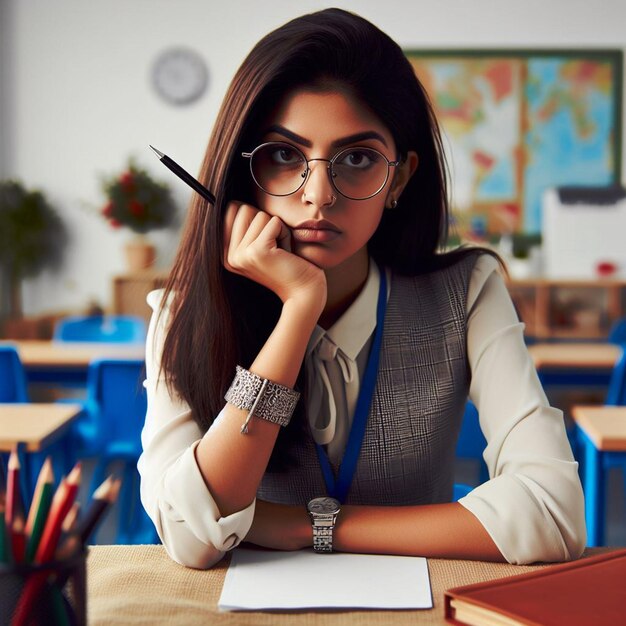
(404,171)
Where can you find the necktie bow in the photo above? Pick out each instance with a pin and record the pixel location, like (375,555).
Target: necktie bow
(328,373)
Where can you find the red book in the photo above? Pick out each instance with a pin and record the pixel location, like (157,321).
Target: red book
(578,593)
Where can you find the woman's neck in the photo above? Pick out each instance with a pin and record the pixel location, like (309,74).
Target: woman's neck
(344,283)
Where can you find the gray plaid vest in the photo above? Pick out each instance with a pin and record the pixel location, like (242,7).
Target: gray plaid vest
(407,456)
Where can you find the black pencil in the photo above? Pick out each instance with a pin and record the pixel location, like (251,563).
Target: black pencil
(104,496)
(184,175)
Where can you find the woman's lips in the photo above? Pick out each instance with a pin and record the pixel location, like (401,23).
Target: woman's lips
(313,231)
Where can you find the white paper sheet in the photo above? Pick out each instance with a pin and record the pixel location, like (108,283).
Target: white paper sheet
(261,580)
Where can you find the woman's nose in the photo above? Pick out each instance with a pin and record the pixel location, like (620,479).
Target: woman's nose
(317,188)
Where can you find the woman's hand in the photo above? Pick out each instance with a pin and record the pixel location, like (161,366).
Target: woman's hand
(280,527)
(258,246)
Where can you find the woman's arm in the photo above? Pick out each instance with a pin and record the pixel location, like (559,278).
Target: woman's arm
(532,507)
(435,530)
(199,489)
(257,246)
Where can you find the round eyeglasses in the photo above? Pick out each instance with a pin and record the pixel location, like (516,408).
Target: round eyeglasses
(357,173)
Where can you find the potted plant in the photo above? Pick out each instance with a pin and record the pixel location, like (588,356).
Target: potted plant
(136,201)
(32,237)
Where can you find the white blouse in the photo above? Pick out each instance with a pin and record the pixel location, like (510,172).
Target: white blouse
(532,506)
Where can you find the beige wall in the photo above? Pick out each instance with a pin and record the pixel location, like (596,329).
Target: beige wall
(76,101)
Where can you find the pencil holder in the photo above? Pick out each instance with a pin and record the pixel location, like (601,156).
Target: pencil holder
(54,593)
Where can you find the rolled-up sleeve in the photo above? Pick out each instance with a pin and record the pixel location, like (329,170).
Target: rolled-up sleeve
(173,491)
(532,506)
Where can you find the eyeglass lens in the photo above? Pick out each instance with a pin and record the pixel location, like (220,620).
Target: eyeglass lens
(281,169)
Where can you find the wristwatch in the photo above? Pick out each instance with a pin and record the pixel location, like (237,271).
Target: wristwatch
(323,513)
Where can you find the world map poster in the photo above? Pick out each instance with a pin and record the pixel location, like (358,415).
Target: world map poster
(515,123)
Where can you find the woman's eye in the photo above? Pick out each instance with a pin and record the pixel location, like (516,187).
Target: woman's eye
(359,159)
(286,156)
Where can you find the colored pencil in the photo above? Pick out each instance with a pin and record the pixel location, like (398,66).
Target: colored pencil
(103,497)
(14,502)
(18,540)
(59,514)
(39,508)
(69,523)
(61,504)
(4,540)
(46,477)
(3,477)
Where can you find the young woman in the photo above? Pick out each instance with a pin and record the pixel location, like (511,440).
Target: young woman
(318,269)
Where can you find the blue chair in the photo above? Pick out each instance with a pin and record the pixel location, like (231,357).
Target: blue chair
(616,394)
(597,463)
(12,376)
(118,401)
(101,329)
(12,383)
(617,334)
(13,389)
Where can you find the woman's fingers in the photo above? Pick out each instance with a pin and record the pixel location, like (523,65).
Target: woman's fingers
(238,221)
(284,237)
(258,246)
(255,227)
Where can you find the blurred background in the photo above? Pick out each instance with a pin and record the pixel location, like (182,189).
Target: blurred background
(85,87)
(77,98)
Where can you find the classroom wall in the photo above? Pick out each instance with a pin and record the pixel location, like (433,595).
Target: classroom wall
(76,101)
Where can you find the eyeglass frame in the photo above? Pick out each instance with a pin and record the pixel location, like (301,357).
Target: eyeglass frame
(307,171)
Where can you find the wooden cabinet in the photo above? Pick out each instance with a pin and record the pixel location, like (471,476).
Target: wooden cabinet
(551,309)
(568,309)
(130,291)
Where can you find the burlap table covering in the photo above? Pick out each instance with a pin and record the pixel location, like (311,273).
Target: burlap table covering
(142,585)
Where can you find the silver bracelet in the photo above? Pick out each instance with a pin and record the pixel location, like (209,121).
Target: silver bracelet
(261,398)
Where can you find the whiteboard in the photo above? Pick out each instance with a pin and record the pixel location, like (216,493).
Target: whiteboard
(576,237)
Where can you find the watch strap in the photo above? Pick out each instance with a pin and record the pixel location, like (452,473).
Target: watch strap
(323,526)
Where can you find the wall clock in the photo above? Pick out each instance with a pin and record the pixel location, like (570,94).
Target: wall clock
(180,76)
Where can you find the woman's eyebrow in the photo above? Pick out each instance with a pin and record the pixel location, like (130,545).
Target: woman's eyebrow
(281,130)
(338,143)
(368,134)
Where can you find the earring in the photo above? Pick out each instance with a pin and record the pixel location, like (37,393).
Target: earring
(393,205)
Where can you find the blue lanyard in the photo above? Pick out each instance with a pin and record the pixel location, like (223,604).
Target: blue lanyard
(339,488)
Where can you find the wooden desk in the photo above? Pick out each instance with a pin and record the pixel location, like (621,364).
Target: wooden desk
(602,434)
(574,355)
(142,585)
(56,363)
(575,363)
(56,354)
(34,425)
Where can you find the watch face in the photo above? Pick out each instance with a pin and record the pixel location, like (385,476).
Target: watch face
(179,75)
(324,505)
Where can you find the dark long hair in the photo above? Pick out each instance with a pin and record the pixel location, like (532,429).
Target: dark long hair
(218,319)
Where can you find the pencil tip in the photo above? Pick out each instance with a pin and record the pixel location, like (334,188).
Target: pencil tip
(115,489)
(157,152)
(103,488)
(75,474)
(14,460)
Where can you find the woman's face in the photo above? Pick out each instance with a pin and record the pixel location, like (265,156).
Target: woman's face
(327,228)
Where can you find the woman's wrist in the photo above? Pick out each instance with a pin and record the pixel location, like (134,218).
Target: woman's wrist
(306,306)
(280,526)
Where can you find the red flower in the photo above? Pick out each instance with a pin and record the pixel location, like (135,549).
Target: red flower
(127,180)
(107,210)
(136,208)
(115,223)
